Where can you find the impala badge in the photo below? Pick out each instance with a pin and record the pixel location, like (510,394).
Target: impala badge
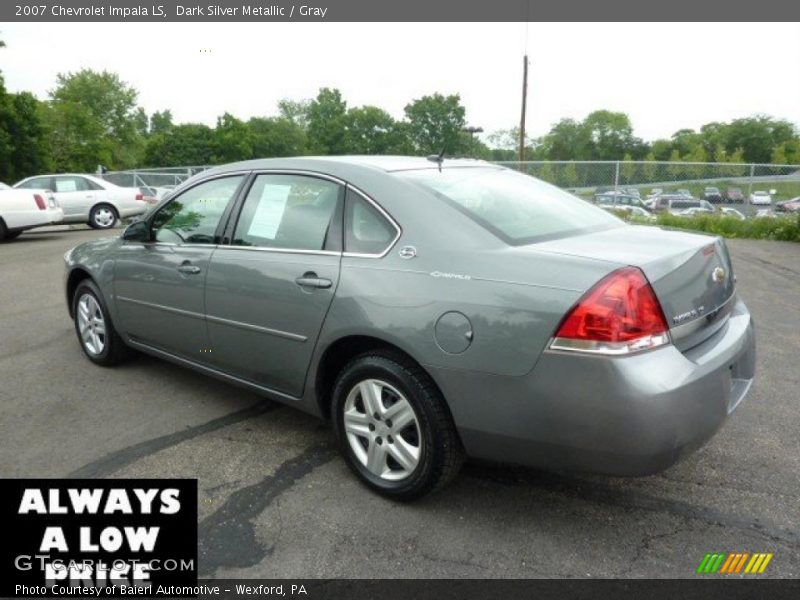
(718,275)
(407,252)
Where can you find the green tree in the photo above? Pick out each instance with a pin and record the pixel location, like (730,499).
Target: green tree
(567,140)
(610,135)
(232,140)
(295,110)
(650,169)
(97,113)
(371,130)
(326,122)
(160,122)
(628,170)
(787,153)
(30,155)
(187,144)
(436,123)
(278,136)
(758,136)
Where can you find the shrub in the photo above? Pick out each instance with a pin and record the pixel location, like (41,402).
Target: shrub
(783,228)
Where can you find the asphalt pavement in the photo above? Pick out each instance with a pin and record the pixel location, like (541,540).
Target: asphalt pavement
(275,500)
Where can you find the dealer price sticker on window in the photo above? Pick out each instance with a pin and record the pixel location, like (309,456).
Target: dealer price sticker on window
(101,538)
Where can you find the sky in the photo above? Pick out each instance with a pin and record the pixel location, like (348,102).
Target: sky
(665,76)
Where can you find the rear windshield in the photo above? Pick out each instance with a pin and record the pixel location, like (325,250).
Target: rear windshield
(516,208)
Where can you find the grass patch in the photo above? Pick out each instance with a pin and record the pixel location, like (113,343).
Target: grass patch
(783,228)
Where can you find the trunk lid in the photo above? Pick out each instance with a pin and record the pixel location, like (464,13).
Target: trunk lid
(691,274)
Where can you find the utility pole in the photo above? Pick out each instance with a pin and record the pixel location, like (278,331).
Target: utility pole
(524,103)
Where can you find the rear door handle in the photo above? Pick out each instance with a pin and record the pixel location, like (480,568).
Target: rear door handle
(189,269)
(310,279)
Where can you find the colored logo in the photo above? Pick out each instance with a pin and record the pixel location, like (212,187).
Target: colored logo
(725,563)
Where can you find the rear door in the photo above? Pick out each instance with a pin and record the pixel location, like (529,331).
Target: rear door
(269,290)
(159,285)
(74,194)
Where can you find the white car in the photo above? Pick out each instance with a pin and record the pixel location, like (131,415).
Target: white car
(732,212)
(634,211)
(26,209)
(761,198)
(89,199)
(692,212)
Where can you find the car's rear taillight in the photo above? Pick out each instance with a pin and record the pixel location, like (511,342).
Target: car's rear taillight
(619,315)
(40,202)
(139,197)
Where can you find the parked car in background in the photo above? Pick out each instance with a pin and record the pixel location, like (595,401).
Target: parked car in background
(734,195)
(732,212)
(707,205)
(693,212)
(89,199)
(430,310)
(712,194)
(622,210)
(617,199)
(25,209)
(675,202)
(760,198)
(789,206)
(654,193)
(684,192)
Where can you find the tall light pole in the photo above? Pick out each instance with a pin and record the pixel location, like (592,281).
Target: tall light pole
(524,105)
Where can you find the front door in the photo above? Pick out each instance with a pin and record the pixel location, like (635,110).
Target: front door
(268,292)
(159,285)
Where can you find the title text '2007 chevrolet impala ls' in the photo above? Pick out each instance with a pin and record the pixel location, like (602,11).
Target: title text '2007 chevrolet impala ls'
(432,310)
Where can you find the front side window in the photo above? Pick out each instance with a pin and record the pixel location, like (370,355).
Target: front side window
(193,217)
(366,230)
(292,212)
(517,208)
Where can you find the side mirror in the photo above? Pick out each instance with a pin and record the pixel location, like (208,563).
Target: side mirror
(137,232)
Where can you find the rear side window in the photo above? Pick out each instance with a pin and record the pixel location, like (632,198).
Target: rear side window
(293,212)
(367,231)
(38,183)
(517,208)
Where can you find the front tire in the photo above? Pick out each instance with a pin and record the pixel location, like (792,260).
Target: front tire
(96,334)
(103,216)
(393,426)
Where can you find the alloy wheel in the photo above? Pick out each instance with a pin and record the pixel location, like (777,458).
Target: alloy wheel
(91,325)
(382,430)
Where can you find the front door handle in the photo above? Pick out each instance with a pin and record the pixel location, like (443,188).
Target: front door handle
(189,269)
(310,279)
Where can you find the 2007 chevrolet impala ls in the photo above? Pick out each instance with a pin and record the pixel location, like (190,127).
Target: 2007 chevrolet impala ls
(432,309)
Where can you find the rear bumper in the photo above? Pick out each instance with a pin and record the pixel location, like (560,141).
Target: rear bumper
(622,416)
(133,211)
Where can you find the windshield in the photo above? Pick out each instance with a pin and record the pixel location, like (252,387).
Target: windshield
(517,208)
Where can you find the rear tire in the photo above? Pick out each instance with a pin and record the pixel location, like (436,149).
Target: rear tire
(96,334)
(406,459)
(103,216)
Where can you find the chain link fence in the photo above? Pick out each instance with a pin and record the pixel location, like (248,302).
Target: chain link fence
(585,178)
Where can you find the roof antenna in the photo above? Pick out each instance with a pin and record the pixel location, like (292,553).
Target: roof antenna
(438,158)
